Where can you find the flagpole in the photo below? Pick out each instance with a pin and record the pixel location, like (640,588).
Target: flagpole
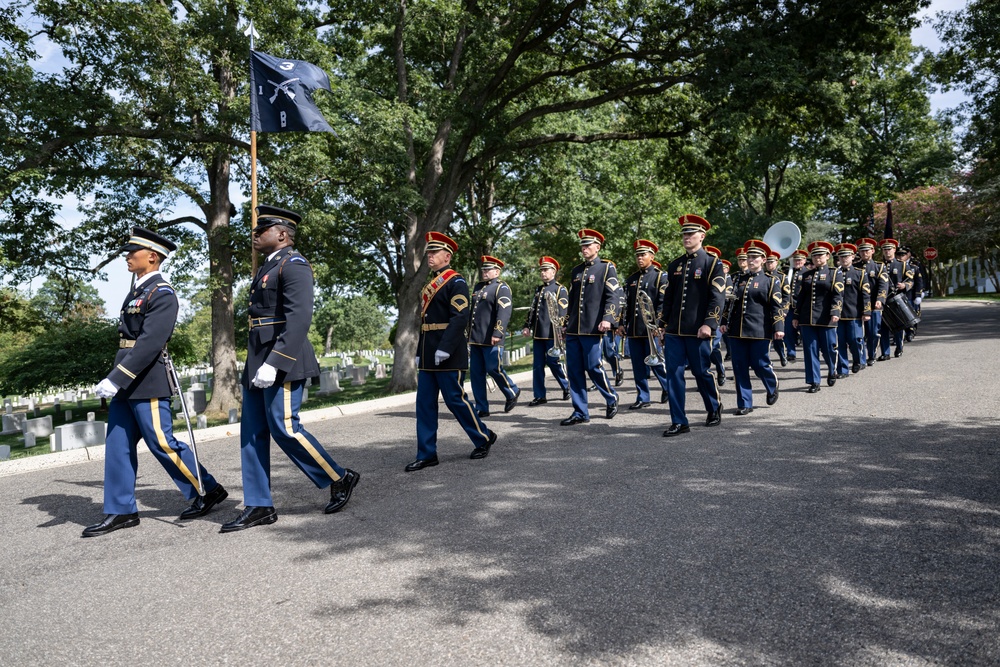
(253,156)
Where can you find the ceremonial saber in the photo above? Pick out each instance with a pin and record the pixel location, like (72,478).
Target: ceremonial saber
(175,386)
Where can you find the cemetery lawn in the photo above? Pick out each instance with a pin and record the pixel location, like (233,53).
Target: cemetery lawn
(349,394)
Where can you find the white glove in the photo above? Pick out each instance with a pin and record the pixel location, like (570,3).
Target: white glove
(264,377)
(106,389)
(916,302)
(440,356)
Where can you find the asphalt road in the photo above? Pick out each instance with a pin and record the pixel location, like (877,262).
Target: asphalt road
(857,526)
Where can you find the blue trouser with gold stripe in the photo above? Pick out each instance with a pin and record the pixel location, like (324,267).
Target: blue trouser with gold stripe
(639,350)
(487,360)
(274,413)
(872,329)
(849,337)
(150,419)
(583,358)
(682,351)
(751,353)
(449,385)
(817,341)
(540,348)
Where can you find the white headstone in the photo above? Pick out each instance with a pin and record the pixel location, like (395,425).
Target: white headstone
(8,407)
(359,374)
(196,385)
(91,416)
(4,452)
(68,415)
(79,434)
(234,416)
(380,371)
(14,423)
(197,401)
(202,421)
(69,396)
(41,427)
(29,440)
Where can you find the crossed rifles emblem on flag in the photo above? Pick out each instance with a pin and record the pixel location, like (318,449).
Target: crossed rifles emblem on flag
(282,87)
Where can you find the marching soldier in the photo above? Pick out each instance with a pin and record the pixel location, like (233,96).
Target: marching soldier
(817,310)
(140,392)
(753,318)
(878,283)
(648,279)
(915,293)
(491,310)
(692,308)
(899,275)
(443,356)
(595,305)
(541,327)
(771,269)
(856,310)
(716,358)
(791,339)
(279,360)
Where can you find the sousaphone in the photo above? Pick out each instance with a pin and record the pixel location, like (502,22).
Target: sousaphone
(783,238)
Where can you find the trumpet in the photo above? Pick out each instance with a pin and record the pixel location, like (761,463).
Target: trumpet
(655,357)
(558,342)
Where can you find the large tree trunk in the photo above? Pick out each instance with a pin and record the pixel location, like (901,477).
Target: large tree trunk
(225,389)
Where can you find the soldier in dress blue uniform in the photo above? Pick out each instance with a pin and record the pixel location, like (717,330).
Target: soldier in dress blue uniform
(718,361)
(491,309)
(916,292)
(596,300)
(649,279)
(753,318)
(140,392)
(878,284)
(791,339)
(856,310)
(899,275)
(692,308)
(817,310)
(443,355)
(541,328)
(772,268)
(280,359)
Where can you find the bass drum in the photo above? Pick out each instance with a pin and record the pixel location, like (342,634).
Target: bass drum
(898,314)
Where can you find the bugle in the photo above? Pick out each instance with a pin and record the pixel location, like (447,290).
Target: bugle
(558,342)
(655,357)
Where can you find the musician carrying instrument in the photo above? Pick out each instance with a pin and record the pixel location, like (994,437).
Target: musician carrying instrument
(648,314)
(558,340)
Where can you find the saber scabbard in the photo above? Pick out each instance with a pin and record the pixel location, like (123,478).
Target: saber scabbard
(175,387)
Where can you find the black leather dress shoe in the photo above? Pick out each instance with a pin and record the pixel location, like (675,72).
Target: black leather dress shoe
(512,401)
(841,376)
(565,394)
(714,418)
(783,360)
(898,352)
(856,368)
(482,414)
(420,464)
(883,357)
(619,378)
(611,410)
(831,380)
(676,429)
(743,411)
(729,355)
(664,396)
(111,523)
(574,419)
(791,358)
(340,491)
(871,362)
(813,388)
(773,398)
(250,517)
(639,405)
(484,451)
(721,377)
(202,505)
(537,401)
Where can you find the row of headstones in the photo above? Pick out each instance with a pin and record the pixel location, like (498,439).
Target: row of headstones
(973,273)
(513,356)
